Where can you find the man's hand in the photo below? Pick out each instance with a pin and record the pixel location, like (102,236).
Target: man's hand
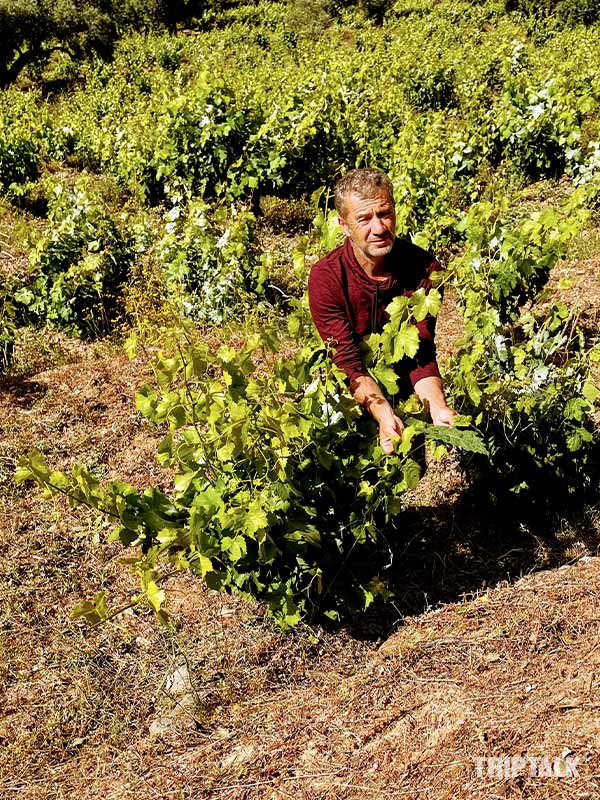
(431,393)
(368,394)
(390,430)
(442,415)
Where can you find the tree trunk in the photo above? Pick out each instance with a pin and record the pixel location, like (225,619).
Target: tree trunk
(9,75)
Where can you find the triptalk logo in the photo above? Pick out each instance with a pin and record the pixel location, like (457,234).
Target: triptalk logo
(507,767)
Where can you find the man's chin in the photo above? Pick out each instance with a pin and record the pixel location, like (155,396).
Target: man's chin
(381,250)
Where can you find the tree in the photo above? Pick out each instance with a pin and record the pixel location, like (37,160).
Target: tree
(31,30)
(568,12)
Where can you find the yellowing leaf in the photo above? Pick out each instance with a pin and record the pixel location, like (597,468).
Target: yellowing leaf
(154,594)
(205,565)
(590,391)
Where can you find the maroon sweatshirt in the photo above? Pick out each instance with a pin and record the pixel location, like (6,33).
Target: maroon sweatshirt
(347,305)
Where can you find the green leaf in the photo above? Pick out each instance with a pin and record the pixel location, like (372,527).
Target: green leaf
(411,473)
(255,518)
(324,458)
(145,402)
(590,392)
(205,565)
(473,389)
(398,306)
(23,473)
(425,303)
(387,377)
(405,342)
(234,546)
(205,507)
(225,453)
(469,440)
(179,416)
(305,533)
(183,480)
(33,466)
(574,442)
(368,596)
(93,612)
(167,536)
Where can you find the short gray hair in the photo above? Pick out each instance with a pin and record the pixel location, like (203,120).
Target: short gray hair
(363,182)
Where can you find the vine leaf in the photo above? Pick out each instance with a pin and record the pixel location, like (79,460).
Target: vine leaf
(469,440)
(387,377)
(405,342)
(424,303)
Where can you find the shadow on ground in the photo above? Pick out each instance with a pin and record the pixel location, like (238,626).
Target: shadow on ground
(23,392)
(444,552)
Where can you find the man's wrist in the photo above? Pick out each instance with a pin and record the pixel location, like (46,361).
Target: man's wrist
(433,406)
(380,410)
(430,392)
(368,394)
(382,416)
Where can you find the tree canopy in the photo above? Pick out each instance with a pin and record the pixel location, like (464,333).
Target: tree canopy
(32,30)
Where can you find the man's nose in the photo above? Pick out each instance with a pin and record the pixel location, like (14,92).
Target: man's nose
(377,225)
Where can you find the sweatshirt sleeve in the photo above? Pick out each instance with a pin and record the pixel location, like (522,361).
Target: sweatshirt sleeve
(331,320)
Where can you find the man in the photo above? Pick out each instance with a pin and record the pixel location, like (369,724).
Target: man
(350,288)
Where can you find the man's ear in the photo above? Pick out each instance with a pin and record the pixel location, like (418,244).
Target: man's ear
(343,226)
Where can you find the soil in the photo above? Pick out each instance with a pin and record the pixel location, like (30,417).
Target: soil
(491,650)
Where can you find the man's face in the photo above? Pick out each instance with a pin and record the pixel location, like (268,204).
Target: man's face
(370,224)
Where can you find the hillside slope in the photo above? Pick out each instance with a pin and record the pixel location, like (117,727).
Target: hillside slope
(225,707)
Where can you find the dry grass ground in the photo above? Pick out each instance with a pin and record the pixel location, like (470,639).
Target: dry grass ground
(224,706)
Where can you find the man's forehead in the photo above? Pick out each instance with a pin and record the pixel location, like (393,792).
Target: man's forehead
(357,203)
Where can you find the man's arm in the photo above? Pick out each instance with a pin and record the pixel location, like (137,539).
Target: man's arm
(330,315)
(332,323)
(331,320)
(430,391)
(367,393)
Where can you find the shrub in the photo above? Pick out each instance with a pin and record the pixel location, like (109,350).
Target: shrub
(569,12)
(525,372)
(181,144)
(264,462)
(7,322)
(209,260)
(431,88)
(80,265)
